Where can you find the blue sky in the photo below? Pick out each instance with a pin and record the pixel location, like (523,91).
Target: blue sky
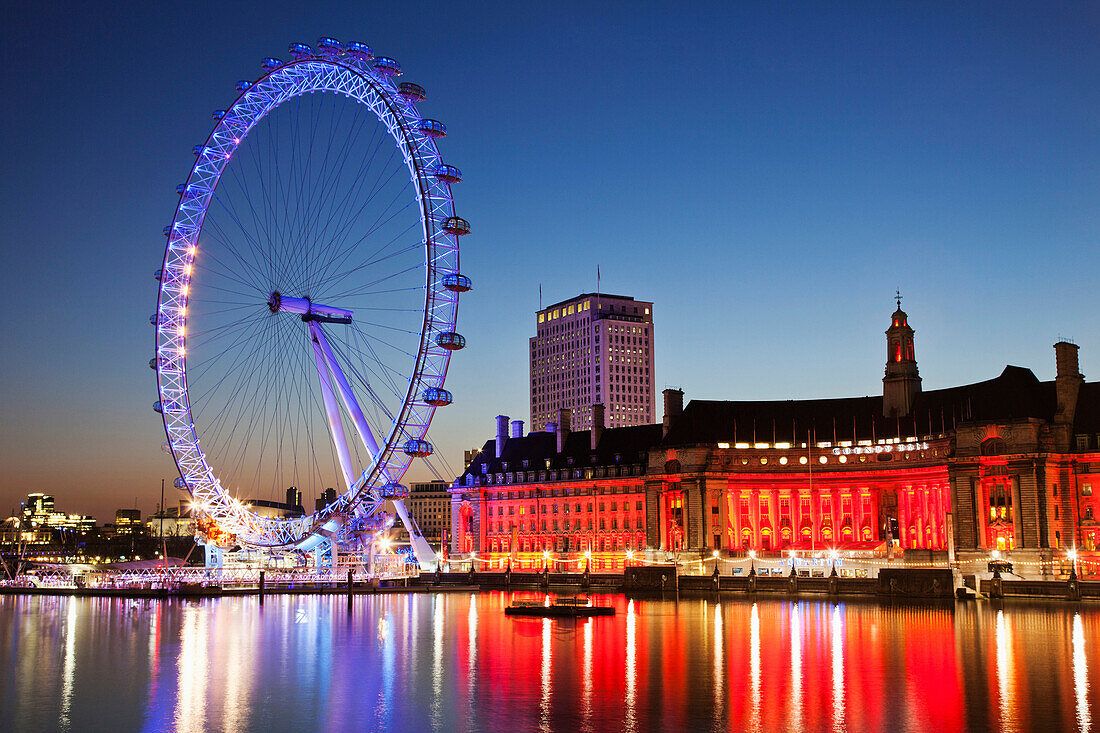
(766,173)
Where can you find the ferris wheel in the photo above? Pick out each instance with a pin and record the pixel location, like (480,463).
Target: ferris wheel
(307,301)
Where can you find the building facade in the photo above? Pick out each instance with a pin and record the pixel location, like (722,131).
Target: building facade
(429,505)
(555,492)
(1007,464)
(594,348)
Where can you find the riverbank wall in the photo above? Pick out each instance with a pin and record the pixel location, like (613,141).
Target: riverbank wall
(639,581)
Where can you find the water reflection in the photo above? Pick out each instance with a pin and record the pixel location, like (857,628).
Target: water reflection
(796,669)
(453,661)
(837,636)
(1080,675)
(631,666)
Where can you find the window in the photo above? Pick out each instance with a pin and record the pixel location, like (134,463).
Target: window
(1086,490)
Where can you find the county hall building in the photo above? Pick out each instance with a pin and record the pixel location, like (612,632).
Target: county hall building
(1005,464)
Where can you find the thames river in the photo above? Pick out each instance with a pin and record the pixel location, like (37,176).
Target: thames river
(454,662)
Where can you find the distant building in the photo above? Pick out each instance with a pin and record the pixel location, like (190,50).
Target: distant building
(325,499)
(273,509)
(38,512)
(175,521)
(294,499)
(429,504)
(593,349)
(128,521)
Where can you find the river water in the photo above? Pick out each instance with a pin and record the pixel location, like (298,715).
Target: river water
(454,662)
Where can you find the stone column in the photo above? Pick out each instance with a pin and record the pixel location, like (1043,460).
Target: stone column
(654,515)
(969,520)
(1025,510)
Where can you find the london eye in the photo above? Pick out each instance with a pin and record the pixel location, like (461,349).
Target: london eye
(307,302)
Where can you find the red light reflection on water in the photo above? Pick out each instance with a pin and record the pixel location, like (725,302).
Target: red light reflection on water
(453,661)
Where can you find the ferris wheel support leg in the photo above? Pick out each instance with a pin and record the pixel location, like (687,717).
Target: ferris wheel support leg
(350,403)
(425,555)
(335,423)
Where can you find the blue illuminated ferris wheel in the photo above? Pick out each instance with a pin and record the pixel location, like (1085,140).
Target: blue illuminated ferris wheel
(308,299)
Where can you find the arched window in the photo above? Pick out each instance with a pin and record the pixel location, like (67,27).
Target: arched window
(993,447)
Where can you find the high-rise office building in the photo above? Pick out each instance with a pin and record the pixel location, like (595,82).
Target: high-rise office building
(594,349)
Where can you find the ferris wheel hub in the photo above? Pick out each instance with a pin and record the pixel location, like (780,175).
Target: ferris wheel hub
(307,309)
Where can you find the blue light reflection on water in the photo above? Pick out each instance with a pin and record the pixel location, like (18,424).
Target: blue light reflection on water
(453,661)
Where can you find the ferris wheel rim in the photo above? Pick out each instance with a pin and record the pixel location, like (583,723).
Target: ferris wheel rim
(362,83)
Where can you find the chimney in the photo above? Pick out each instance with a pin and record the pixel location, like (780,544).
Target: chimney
(563,427)
(674,407)
(1068,381)
(502,433)
(597,425)
(517,428)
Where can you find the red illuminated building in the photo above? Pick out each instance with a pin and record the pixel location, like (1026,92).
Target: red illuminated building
(1005,464)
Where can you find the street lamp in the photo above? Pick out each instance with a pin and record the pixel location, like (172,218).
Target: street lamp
(1072,555)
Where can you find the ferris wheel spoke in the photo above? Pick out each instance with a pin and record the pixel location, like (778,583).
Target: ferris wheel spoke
(261,225)
(369,357)
(335,241)
(226,204)
(245,337)
(340,239)
(322,213)
(367,290)
(243,360)
(250,281)
(369,263)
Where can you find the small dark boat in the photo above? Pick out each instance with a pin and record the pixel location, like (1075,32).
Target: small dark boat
(572,607)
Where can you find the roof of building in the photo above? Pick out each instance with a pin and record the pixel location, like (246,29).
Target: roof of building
(1015,394)
(567,301)
(536,448)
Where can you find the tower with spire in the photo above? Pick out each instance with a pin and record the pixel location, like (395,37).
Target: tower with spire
(901,385)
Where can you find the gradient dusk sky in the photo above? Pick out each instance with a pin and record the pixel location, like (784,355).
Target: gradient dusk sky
(766,173)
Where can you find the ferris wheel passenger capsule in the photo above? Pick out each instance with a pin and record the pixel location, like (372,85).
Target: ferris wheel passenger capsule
(412,92)
(457,283)
(418,448)
(386,65)
(244,85)
(447,173)
(432,128)
(218,114)
(394,491)
(329,46)
(451,341)
(437,397)
(456,225)
(158,275)
(154,320)
(157,407)
(271,63)
(300,50)
(180,483)
(168,230)
(359,50)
